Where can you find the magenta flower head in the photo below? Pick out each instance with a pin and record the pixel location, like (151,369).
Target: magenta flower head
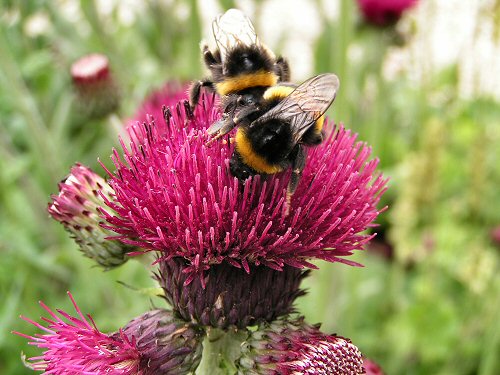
(96,90)
(76,207)
(174,194)
(384,12)
(153,343)
(75,345)
(289,347)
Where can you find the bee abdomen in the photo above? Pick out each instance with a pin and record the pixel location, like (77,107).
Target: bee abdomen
(251,157)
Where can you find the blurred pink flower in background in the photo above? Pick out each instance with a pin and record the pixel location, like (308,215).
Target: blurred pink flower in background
(384,12)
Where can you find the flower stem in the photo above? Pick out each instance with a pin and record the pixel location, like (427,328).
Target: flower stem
(220,350)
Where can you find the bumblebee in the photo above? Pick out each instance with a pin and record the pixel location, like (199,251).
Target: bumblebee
(272,134)
(241,67)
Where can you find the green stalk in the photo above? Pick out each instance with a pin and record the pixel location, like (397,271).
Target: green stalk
(220,351)
(38,133)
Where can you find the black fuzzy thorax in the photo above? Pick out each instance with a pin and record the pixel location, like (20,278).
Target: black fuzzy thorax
(244,59)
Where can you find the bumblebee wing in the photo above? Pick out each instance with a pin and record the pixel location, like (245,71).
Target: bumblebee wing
(307,103)
(233,28)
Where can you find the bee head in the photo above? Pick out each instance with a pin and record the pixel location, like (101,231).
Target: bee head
(243,59)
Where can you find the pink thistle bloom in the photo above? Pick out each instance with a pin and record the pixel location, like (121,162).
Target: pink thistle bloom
(384,12)
(175,194)
(154,343)
(74,345)
(293,347)
(77,208)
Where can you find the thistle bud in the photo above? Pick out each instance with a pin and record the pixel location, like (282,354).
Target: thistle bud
(166,345)
(233,297)
(294,347)
(97,92)
(77,208)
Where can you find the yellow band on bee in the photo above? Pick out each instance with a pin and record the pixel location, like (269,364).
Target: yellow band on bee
(243,81)
(250,158)
(277,92)
(319,124)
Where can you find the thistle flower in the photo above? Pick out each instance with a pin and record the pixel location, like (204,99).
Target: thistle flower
(384,12)
(294,347)
(176,195)
(97,92)
(233,297)
(75,345)
(76,207)
(153,343)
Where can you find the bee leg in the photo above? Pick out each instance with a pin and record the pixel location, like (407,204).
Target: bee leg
(313,136)
(210,59)
(244,113)
(195,90)
(220,128)
(282,69)
(238,168)
(298,165)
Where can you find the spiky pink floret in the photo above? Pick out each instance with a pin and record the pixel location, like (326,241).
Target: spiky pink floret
(176,195)
(74,345)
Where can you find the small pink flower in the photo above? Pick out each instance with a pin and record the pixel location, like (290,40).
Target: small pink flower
(176,195)
(75,345)
(384,12)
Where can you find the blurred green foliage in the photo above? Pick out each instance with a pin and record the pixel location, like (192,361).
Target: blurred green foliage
(430,307)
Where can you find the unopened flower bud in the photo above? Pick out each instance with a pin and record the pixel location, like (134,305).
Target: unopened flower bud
(166,344)
(97,92)
(295,347)
(76,207)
